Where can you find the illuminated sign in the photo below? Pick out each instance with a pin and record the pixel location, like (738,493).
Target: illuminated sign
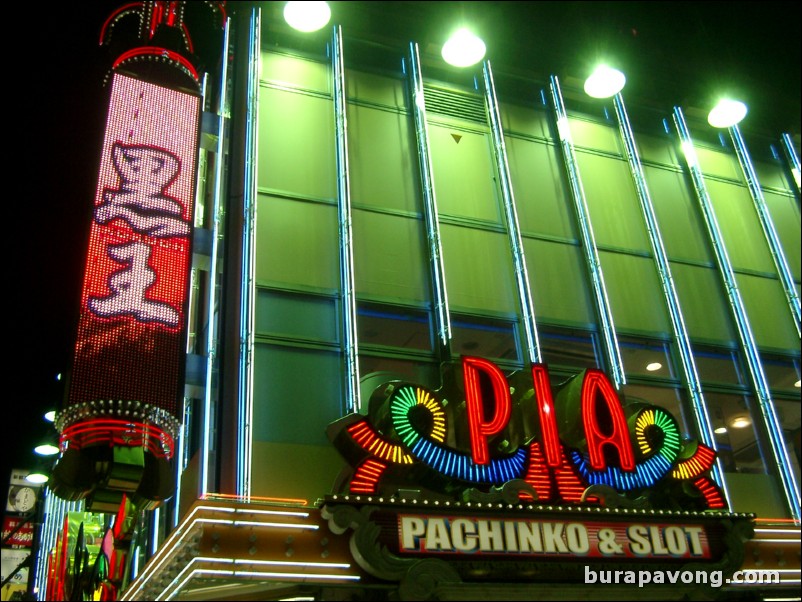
(541,538)
(486,436)
(127,374)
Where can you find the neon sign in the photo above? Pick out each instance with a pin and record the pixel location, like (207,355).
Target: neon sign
(584,446)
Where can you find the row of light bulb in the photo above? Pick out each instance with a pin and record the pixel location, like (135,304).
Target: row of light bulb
(464,49)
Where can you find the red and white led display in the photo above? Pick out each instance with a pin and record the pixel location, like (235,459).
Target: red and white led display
(131,329)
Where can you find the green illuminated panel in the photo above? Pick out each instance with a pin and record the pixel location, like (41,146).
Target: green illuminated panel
(704,305)
(613,202)
(557,273)
(464,182)
(740,227)
(296,144)
(297,243)
(478,266)
(541,192)
(636,299)
(768,311)
(390,256)
(383,159)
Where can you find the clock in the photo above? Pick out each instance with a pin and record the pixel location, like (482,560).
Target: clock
(21,499)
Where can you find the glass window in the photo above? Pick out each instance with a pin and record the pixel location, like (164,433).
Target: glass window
(393,326)
(735,421)
(568,349)
(718,366)
(485,337)
(782,373)
(646,358)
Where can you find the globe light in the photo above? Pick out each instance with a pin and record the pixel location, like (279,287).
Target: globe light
(726,113)
(307,16)
(463,49)
(604,82)
(654,366)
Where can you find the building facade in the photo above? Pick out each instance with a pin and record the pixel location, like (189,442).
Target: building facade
(367,215)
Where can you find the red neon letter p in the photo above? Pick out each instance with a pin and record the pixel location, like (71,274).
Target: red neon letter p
(479,428)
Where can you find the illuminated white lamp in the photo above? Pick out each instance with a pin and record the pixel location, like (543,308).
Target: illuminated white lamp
(307,16)
(720,430)
(740,422)
(46,449)
(463,49)
(50,415)
(654,366)
(798,384)
(726,113)
(37,478)
(604,82)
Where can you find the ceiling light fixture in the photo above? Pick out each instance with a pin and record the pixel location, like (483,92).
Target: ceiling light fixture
(740,422)
(654,366)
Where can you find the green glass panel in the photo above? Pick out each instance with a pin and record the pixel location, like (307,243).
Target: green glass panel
(295,72)
(740,227)
(613,202)
(478,269)
(784,212)
(296,316)
(557,275)
(383,159)
(678,217)
(462,165)
(376,89)
(390,256)
(718,162)
(297,243)
(542,199)
(768,311)
(596,136)
(635,294)
(516,119)
(704,306)
(298,393)
(296,144)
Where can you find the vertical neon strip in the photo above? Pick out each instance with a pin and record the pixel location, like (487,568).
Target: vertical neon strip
(182,440)
(441,315)
(792,158)
(247,301)
(54,512)
(209,422)
(155,532)
(777,254)
(588,241)
(748,345)
(681,337)
(513,227)
(347,292)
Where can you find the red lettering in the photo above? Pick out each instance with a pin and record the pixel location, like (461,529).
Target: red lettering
(548,419)
(478,427)
(597,387)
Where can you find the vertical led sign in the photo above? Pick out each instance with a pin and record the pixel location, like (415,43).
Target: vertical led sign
(128,365)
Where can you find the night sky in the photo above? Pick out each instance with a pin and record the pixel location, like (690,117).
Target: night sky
(679,52)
